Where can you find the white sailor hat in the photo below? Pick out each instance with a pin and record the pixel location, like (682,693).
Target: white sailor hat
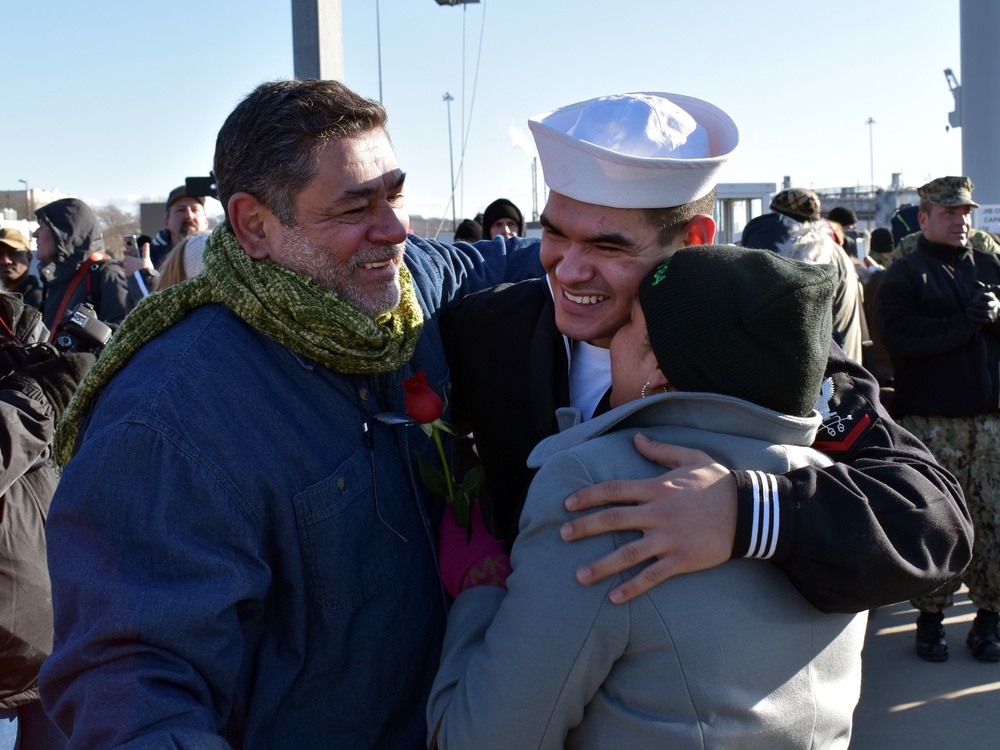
(640,150)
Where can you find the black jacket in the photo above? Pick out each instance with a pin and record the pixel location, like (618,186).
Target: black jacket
(28,480)
(885,524)
(77,236)
(945,365)
(31,291)
(160,247)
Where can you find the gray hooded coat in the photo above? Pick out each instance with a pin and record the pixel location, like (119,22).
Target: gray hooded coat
(729,658)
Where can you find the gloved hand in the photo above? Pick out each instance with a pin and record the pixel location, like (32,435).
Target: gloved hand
(480,561)
(983,308)
(57,378)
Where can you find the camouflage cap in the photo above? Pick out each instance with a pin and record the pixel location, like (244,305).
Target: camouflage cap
(799,203)
(948,191)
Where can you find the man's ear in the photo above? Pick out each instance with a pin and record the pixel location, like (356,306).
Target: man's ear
(253,224)
(922,217)
(699,230)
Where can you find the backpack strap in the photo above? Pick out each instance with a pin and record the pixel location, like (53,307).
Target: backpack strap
(8,307)
(84,270)
(97,262)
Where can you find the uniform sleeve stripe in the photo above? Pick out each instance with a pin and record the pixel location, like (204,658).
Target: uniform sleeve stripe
(765,521)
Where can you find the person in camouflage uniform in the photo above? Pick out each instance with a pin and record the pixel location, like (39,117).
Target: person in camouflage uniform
(938,312)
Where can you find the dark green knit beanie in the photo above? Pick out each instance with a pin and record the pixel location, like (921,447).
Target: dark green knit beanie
(741,322)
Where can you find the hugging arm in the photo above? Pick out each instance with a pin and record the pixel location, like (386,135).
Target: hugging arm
(884,524)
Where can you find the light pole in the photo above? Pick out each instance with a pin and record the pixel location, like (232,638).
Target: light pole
(448,98)
(378,38)
(871,154)
(27,199)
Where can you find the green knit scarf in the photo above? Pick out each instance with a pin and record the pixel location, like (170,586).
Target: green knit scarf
(286,306)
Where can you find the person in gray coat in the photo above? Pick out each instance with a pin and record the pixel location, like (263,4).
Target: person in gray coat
(730,657)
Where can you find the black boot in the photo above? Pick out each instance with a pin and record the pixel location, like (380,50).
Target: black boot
(931,645)
(984,637)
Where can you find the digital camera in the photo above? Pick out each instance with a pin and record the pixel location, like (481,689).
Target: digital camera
(83,331)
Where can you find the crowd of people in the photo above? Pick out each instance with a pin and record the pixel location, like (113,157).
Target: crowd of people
(46,348)
(670,545)
(919,310)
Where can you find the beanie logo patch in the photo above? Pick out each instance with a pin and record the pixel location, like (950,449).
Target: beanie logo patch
(660,272)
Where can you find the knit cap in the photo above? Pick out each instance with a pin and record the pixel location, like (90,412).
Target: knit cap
(881,241)
(843,215)
(502,208)
(799,203)
(194,248)
(468,230)
(741,322)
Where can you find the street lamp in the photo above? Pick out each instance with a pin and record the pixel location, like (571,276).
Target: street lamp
(955,117)
(871,154)
(448,98)
(378,38)
(27,199)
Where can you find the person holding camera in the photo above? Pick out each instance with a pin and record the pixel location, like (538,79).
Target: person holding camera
(36,384)
(938,313)
(73,264)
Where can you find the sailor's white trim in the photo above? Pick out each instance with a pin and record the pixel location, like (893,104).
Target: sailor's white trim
(766,518)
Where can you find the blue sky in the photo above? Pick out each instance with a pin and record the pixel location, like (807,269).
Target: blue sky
(117,101)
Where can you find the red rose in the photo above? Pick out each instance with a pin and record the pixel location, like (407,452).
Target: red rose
(422,404)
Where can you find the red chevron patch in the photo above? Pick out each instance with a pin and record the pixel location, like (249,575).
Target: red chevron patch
(843,443)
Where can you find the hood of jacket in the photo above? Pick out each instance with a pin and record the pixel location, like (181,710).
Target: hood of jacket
(74,231)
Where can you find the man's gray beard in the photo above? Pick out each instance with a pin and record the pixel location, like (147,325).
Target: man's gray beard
(312,260)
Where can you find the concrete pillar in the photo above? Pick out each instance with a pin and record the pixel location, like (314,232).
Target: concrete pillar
(980,105)
(318,39)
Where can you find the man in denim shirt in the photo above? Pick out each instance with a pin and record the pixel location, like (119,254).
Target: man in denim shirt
(241,552)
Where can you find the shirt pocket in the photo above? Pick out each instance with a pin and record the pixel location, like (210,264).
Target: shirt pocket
(348,552)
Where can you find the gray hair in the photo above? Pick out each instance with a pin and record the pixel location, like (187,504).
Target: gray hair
(269,144)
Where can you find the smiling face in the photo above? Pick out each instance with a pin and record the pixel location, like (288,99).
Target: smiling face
(595,258)
(948,225)
(351,225)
